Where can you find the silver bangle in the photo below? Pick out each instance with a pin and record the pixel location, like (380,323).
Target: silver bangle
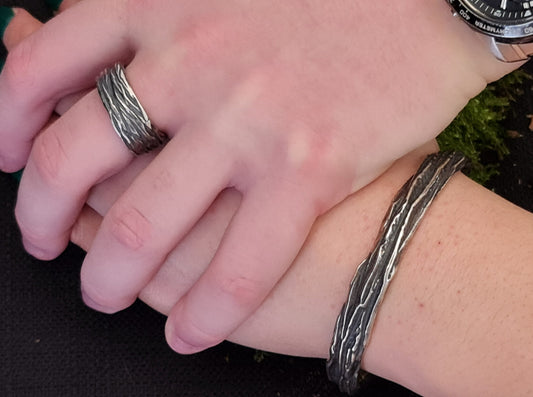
(355,321)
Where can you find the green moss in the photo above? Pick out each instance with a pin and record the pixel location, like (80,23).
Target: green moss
(259,356)
(478,130)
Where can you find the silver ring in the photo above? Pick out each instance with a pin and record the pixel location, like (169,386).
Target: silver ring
(128,117)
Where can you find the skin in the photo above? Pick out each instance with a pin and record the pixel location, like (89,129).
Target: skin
(293,105)
(459,303)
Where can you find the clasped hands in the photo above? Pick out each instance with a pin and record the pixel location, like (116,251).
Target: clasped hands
(295,105)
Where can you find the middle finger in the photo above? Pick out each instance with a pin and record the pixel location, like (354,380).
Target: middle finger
(150,218)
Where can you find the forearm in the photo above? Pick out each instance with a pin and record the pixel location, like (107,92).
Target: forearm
(456,320)
(460,302)
(457,317)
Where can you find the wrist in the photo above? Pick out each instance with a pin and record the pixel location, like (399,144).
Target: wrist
(447,312)
(476,46)
(306,302)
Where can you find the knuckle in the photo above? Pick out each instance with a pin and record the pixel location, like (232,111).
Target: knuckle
(316,157)
(309,150)
(50,158)
(131,228)
(243,292)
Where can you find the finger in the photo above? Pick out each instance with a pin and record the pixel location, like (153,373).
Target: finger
(85,228)
(23,25)
(191,257)
(187,261)
(67,159)
(105,194)
(71,156)
(31,84)
(261,242)
(147,222)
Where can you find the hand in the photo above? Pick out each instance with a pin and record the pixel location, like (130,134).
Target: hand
(448,288)
(295,105)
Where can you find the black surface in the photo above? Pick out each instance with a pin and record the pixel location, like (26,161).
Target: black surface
(52,345)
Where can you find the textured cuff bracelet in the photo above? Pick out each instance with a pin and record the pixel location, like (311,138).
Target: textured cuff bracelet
(373,276)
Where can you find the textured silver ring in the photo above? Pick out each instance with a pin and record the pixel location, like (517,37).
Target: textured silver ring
(128,117)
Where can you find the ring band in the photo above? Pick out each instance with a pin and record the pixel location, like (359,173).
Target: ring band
(128,117)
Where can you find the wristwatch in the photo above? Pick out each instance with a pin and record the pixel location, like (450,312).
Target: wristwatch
(507,24)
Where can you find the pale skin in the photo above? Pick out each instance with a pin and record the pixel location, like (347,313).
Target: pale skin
(456,319)
(292,104)
(459,304)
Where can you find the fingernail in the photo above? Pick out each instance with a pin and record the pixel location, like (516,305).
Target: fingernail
(6,15)
(53,4)
(180,346)
(94,305)
(35,251)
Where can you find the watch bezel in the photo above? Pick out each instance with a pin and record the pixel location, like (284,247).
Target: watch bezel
(509,33)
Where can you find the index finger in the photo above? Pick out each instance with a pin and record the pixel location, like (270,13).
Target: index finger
(63,57)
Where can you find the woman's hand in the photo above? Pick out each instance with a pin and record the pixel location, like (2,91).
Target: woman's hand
(295,105)
(460,301)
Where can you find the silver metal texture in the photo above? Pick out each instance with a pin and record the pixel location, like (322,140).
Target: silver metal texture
(508,25)
(128,117)
(355,321)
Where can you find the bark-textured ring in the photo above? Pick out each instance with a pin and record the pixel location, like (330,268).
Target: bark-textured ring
(128,117)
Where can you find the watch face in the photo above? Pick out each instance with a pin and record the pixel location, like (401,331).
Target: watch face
(504,10)
(506,19)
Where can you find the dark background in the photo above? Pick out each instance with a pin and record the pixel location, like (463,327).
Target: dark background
(52,345)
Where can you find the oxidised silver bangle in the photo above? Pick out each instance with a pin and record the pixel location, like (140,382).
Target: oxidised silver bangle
(128,117)
(354,324)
